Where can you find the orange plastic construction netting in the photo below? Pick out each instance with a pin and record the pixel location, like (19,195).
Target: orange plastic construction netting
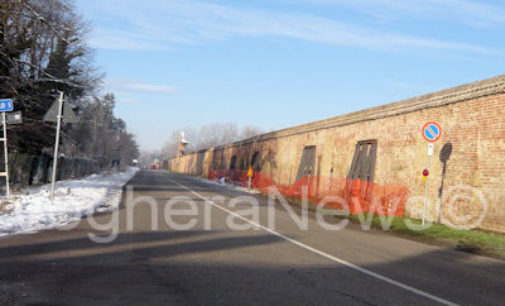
(357,196)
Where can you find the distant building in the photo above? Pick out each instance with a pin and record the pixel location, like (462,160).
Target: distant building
(182,143)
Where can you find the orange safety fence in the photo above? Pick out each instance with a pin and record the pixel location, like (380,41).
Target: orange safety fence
(360,196)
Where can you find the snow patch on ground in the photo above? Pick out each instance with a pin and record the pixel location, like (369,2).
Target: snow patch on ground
(32,210)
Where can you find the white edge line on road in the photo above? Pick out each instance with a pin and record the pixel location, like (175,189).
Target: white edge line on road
(324,254)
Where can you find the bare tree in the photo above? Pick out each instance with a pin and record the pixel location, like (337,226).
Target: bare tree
(169,149)
(217,133)
(42,51)
(207,136)
(250,131)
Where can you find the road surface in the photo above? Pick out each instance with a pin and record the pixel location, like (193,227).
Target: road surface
(210,264)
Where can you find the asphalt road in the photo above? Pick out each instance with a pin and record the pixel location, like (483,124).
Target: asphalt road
(267,262)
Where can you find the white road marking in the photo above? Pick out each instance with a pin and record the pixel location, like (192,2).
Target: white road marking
(324,254)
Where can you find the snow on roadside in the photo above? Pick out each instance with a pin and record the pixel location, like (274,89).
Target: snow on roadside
(32,210)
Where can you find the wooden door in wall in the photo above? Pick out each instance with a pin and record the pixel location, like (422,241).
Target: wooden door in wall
(307,163)
(361,174)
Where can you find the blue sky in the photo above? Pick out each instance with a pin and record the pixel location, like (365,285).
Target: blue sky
(279,63)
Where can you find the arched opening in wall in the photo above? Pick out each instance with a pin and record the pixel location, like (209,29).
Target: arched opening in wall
(233,162)
(255,163)
(307,163)
(362,169)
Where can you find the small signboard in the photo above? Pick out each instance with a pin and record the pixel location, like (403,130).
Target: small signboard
(15,118)
(432,131)
(6,105)
(431,149)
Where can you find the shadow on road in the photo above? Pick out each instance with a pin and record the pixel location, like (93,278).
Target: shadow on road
(227,268)
(193,267)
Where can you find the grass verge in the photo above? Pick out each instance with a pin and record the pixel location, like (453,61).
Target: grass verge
(473,241)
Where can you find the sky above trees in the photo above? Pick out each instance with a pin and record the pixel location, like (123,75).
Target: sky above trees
(42,53)
(278,63)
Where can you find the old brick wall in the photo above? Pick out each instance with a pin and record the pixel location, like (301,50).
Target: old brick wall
(473,123)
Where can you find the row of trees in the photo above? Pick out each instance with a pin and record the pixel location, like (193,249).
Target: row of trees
(43,50)
(101,135)
(208,136)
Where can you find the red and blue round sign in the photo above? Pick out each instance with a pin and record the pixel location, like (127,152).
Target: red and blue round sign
(432,131)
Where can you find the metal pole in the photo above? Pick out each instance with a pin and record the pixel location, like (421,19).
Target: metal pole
(57,143)
(426,189)
(6,156)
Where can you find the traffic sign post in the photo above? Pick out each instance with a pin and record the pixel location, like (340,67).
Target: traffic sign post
(432,132)
(60,112)
(6,156)
(6,105)
(250,174)
(57,143)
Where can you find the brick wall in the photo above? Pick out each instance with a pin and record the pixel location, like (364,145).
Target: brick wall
(473,122)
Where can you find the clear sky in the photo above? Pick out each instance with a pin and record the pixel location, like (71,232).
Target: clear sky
(278,63)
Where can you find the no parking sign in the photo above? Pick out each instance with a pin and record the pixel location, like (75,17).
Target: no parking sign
(432,131)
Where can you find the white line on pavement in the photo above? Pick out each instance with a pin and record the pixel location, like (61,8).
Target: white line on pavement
(324,254)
